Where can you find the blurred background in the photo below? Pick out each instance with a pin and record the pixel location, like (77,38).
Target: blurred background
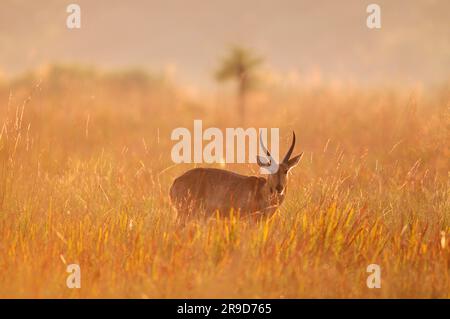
(300,40)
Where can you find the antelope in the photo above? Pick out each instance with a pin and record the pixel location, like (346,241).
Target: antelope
(208,190)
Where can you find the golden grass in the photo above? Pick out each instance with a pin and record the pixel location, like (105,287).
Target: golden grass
(85,170)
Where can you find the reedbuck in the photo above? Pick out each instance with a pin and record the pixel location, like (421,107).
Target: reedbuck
(208,190)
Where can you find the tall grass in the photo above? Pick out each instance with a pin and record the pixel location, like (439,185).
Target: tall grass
(85,169)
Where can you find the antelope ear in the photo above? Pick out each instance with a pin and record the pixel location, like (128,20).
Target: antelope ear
(294,161)
(262,161)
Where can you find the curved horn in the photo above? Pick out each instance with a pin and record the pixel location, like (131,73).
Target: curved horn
(260,163)
(265,149)
(289,152)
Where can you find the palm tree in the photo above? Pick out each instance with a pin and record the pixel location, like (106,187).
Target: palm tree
(240,65)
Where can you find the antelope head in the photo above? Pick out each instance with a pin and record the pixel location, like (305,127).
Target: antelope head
(277,180)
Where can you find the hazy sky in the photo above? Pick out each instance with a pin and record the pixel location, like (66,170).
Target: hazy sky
(413,44)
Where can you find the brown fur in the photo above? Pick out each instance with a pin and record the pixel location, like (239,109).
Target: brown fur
(205,191)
